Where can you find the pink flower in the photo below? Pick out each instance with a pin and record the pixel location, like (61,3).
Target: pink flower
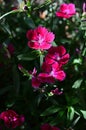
(66,10)
(84,7)
(10,48)
(57,55)
(46,78)
(11,118)
(56,91)
(48,127)
(20,67)
(35,80)
(52,71)
(40,38)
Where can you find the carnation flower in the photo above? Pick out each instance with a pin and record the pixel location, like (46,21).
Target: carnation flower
(40,38)
(48,127)
(57,55)
(52,71)
(10,48)
(35,80)
(11,118)
(66,10)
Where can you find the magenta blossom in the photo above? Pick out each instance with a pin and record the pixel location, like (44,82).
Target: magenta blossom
(46,78)
(56,91)
(52,71)
(66,10)
(48,127)
(35,80)
(11,118)
(40,38)
(84,7)
(20,67)
(10,48)
(57,55)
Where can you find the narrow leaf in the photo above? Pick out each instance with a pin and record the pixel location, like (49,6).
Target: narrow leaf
(50,110)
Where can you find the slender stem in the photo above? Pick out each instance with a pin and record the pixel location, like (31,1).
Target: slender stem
(10,12)
(41,60)
(40,6)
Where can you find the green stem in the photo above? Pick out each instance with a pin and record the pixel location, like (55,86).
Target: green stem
(41,60)
(10,12)
(41,56)
(47,2)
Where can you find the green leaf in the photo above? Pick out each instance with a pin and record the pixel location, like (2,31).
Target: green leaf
(75,121)
(83,113)
(26,57)
(77,61)
(70,113)
(54,43)
(50,110)
(77,83)
(5,89)
(29,22)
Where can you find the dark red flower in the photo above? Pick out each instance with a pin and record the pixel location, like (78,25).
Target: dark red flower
(57,55)
(11,118)
(35,80)
(46,78)
(10,48)
(66,10)
(40,38)
(56,91)
(48,127)
(52,71)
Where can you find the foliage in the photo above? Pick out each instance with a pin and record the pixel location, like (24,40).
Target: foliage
(65,110)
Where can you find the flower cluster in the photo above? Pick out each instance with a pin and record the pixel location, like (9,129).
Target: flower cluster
(56,57)
(11,118)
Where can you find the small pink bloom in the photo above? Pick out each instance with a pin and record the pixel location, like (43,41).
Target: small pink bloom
(35,80)
(48,127)
(56,91)
(57,55)
(53,71)
(11,118)
(46,78)
(40,38)
(10,48)
(20,67)
(66,10)
(84,7)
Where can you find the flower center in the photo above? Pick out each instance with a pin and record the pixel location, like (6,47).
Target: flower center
(40,39)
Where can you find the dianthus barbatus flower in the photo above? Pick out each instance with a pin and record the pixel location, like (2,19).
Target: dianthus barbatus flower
(49,127)
(66,10)
(51,72)
(56,91)
(57,55)
(40,38)
(11,118)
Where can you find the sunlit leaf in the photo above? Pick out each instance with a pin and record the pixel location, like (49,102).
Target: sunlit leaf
(83,113)
(77,83)
(70,113)
(50,110)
